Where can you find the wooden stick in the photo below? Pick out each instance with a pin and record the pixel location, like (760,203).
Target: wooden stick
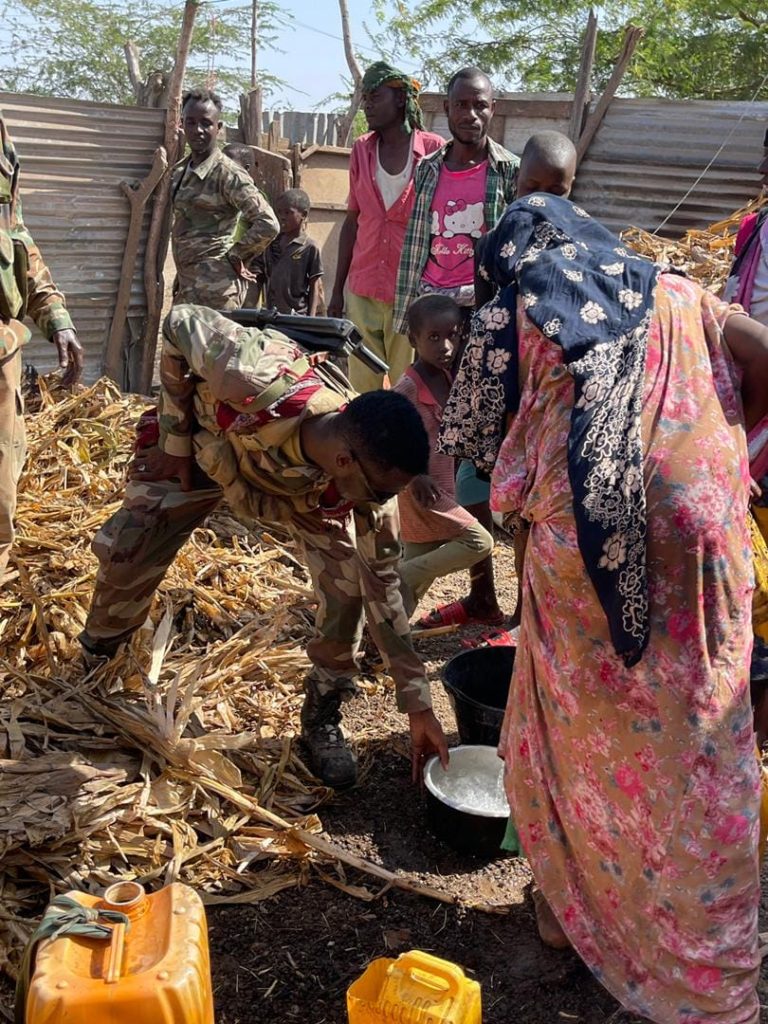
(632,37)
(421,634)
(328,849)
(156,241)
(581,96)
(137,199)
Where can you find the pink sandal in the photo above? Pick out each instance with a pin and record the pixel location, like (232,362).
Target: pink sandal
(455,614)
(494,638)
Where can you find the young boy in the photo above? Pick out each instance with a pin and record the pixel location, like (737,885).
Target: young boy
(242,155)
(291,269)
(548,164)
(440,537)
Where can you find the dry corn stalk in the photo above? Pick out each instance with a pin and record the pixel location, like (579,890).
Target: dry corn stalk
(705,255)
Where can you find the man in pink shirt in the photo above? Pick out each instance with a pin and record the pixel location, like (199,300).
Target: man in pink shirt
(381,199)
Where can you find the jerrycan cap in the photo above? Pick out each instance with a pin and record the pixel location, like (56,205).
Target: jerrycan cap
(128,897)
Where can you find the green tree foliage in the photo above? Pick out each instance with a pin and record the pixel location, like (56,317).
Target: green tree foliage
(705,49)
(76,47)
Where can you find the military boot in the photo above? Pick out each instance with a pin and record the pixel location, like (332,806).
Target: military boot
(333,761)
(90,659)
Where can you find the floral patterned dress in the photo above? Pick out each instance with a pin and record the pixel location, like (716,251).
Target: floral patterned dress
(635,790)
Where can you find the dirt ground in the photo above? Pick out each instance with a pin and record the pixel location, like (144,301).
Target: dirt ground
(293,957)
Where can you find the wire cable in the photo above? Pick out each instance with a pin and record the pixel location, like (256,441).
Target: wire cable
(725,142)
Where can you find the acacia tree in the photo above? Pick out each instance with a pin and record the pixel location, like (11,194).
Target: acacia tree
(705,49)
(83,43)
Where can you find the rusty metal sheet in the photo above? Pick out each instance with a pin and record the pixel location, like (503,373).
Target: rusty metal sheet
(73,157)
(648,153)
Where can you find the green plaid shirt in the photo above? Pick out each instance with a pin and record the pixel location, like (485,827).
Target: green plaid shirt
(500,186)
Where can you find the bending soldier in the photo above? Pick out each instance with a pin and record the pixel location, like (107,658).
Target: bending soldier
(245,415)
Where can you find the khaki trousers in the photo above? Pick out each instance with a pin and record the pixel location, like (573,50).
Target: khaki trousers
(374,321)
(12,448)
(425,562)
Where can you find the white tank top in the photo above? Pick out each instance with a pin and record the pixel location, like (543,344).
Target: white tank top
(392,186)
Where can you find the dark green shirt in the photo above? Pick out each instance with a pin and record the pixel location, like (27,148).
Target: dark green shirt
(288,269)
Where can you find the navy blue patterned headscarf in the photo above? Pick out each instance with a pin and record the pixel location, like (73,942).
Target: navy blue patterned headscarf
(594,297)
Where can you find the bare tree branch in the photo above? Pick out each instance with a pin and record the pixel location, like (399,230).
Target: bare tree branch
(134,69)
(344,124)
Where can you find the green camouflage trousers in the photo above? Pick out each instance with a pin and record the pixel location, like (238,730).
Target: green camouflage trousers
(212,282)
(349,574)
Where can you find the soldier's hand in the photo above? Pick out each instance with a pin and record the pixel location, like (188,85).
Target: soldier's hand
(427,738)
(241,269)
(158,465)
(70,355)
(336,305)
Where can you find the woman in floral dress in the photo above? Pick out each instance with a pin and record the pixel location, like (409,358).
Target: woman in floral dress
(608,400)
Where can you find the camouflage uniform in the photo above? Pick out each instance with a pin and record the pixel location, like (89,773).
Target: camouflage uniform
(26,288)
(236,397)
(207,201)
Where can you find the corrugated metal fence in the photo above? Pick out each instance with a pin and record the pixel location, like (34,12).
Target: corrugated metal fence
(307,128)
(73,157)
(648,153)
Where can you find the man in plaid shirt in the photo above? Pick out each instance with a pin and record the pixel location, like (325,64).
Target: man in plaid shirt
(450,186)
(461,192)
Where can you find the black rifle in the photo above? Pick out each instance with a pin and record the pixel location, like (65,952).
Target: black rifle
(314,333)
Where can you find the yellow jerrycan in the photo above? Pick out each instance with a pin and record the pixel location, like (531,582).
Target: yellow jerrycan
(123,958)
(417,988)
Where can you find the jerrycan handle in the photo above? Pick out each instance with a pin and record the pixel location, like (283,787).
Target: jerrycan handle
(115,954)
(431,972)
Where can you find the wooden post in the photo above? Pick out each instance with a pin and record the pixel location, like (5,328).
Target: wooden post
(251,117)
(113,361)
(156,242)
(275,134)
(297,164)
(632,37)
(581,95)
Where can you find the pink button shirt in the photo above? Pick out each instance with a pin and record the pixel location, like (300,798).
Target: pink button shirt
(380,232)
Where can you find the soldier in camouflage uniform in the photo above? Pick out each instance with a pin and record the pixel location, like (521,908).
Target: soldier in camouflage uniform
(25,288)
(210,193)
(245,415)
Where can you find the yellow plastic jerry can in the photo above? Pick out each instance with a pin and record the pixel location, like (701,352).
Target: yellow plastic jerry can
(150,965)
(417,988)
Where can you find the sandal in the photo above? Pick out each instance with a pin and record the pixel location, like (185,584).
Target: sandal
(493,638)
(455,614)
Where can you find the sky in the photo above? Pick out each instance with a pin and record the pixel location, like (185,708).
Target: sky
(313,58)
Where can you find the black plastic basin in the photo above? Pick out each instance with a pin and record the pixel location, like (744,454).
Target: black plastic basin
(477,683)
(462,825)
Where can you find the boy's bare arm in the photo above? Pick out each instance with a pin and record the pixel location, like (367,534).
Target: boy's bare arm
(315,295)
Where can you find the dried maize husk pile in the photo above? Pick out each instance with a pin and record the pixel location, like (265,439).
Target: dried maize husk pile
(705,255)
(175,761)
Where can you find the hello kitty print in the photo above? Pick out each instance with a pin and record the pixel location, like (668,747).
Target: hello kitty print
(457,221)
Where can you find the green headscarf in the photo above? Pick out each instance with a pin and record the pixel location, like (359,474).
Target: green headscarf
(382,73)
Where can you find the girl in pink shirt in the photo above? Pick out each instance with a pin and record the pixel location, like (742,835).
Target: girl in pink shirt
(439,536)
